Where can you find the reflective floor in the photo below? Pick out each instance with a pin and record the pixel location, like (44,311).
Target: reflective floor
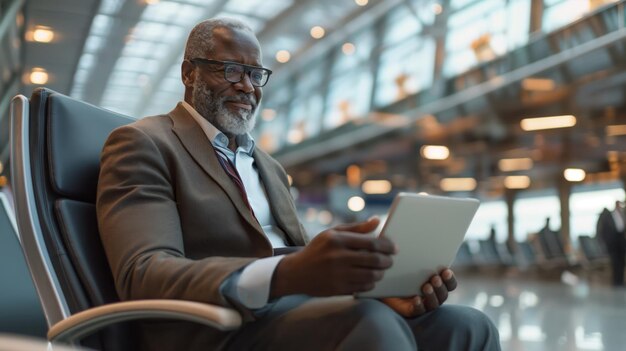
(535,313)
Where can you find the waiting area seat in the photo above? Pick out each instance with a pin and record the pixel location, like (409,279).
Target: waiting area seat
(20,309)
(593,252)
(55,152)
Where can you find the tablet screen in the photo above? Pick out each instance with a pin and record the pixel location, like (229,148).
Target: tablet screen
(428,231)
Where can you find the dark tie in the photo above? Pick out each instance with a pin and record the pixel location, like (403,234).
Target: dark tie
(234,175)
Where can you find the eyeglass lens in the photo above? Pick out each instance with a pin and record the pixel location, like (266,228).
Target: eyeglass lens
(234,73)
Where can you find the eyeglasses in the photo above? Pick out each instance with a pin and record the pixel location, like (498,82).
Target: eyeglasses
(233,71)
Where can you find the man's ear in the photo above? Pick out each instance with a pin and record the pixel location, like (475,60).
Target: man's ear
(188,73)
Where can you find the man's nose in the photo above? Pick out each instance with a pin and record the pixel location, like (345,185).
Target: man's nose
(245,84)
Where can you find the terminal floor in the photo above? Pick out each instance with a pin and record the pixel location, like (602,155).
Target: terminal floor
(562,313)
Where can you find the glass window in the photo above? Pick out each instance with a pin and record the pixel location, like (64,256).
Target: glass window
(304,117)
(260,8)
(482,30)
(558,13)
(351,81)
(101,25)
(531,214)
(363,45)
(94,43)
(401,24)
(405,69)
(492,214)
(348,98)
(585,207)
(161,11)
(110,7)
(271,134)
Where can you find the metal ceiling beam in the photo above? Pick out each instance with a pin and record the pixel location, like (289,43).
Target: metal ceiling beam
(12,89)
(115,42)
(9,16)
(169,61)
(292,158)
(364,18)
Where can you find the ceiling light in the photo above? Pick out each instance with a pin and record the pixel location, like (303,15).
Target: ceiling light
(348,48)
(376,186)
(538,84)
(268,114)
(356,204)
(515,164)
(42,34)
(457,184)
(317,32)
(151,2)
(437,8)
(353,175)
(517,182)
(325,217)
(295,136)
(574,174)
(435,152)
(539,123)
(361,2)
(615,130)
(283,56)
(38,76)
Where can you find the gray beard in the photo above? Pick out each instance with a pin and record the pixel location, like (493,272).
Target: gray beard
(212,108)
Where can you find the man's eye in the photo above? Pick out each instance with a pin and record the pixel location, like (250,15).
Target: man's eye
(231,69)
(256,75)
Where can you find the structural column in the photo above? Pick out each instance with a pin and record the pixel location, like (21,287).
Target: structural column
(509,198)
(565,189)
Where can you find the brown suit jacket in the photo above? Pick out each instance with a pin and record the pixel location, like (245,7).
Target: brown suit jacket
(174,225)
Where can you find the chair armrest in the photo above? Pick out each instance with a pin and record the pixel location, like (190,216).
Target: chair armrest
(81,324)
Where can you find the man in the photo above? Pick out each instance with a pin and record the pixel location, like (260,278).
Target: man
(189,209)
(610,229)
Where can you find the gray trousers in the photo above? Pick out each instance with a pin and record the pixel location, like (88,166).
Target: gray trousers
(343,323)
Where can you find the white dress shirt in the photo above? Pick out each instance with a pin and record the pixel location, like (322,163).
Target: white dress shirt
(253,284)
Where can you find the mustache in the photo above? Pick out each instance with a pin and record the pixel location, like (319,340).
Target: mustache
(243,99)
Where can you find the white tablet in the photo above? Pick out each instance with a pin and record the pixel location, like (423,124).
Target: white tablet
(428,231)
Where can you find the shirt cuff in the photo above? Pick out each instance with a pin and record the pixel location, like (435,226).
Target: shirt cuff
(253,285)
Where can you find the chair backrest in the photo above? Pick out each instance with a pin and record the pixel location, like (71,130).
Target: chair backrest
(592,248)
(55,155)
(20,309)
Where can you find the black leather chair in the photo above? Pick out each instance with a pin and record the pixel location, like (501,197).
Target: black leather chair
(55,153)
(20,309)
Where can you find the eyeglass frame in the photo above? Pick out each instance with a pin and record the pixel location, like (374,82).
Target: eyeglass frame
(247,69)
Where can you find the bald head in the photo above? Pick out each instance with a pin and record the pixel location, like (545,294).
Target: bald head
(201,40)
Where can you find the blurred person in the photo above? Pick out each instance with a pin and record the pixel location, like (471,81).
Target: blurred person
(188,208)
(610,230)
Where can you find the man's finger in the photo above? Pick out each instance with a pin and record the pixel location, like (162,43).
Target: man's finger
(441,291)
(360,242)
(430,299)
(419,308)
(449,279)
(361,276)
(367,259)
(359,227)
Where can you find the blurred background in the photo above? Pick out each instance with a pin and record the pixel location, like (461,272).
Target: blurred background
(519,103)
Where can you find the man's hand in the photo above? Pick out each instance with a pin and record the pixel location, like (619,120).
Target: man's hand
(338,261)
(435,293)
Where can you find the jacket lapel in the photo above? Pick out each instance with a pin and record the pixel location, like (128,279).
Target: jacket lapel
(279,199)
(200,148)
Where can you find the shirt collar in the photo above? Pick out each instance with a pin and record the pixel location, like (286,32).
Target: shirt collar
(215,136)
